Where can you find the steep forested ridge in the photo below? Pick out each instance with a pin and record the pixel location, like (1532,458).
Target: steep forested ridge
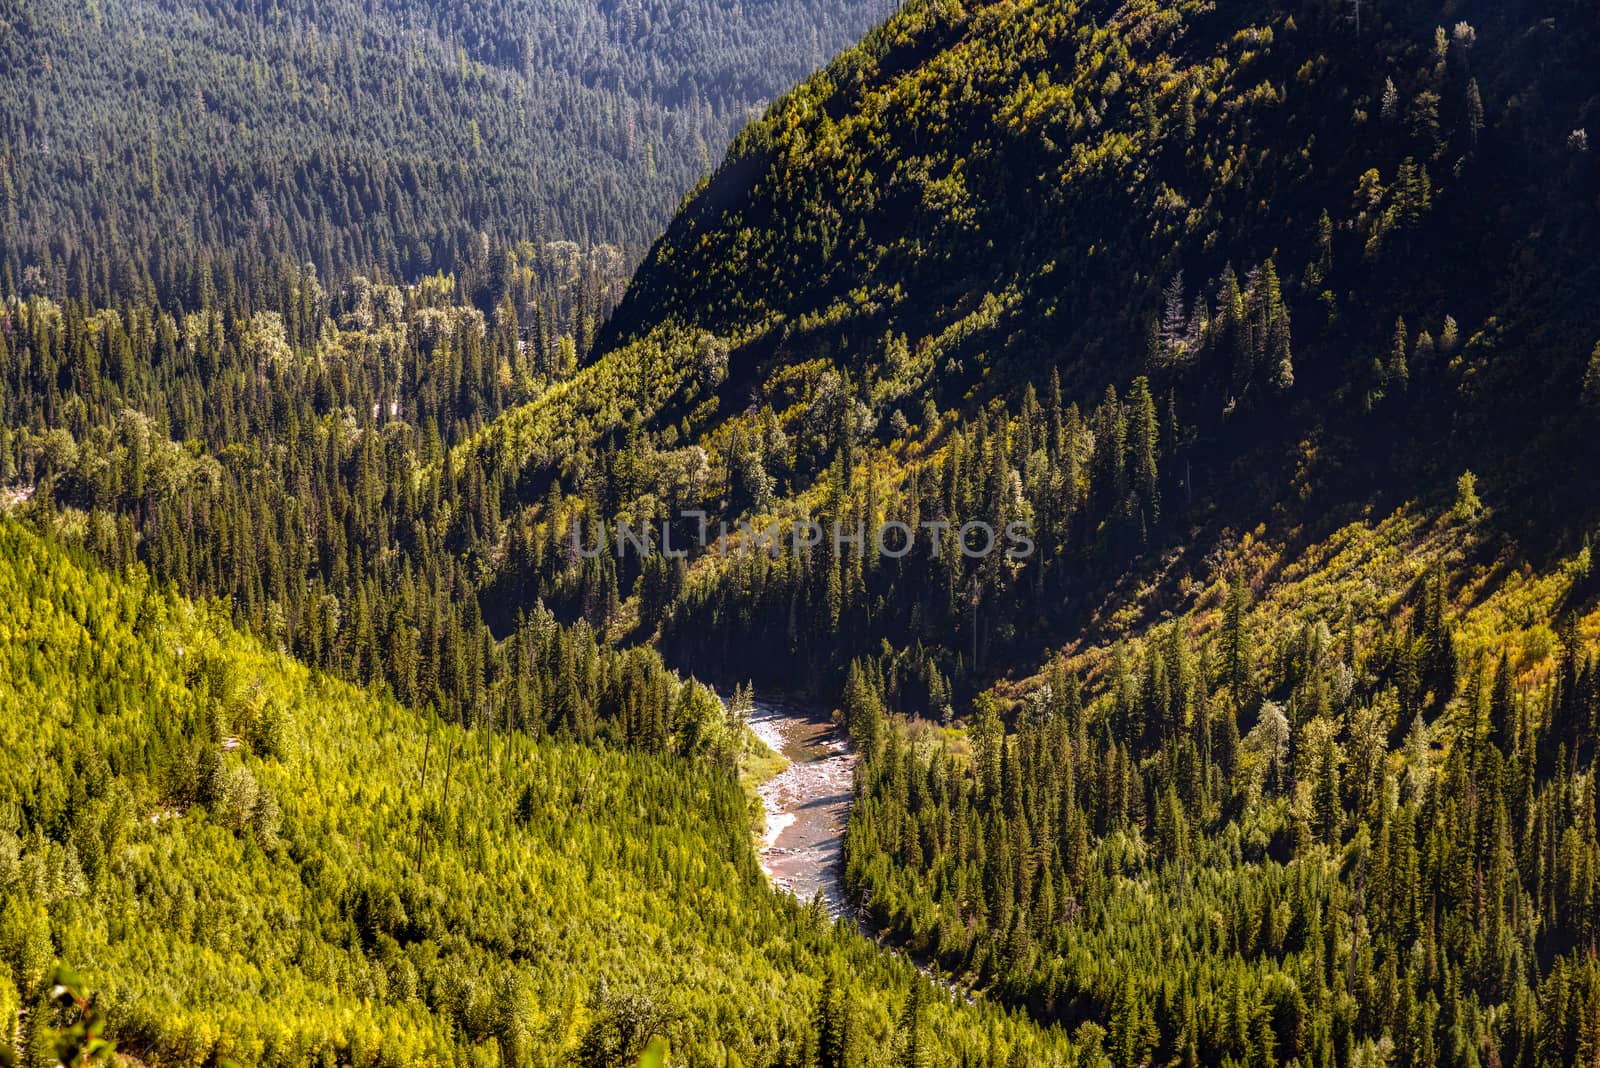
(1280,748)
(250,862)
(143,138)
(272,449)
(1135,272)
(1086,151)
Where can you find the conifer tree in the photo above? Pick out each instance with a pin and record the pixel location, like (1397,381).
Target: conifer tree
(1396,370)
(1143,446)
(1235,643)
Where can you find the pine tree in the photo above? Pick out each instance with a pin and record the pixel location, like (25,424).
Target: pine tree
(1591,379)
(1391,100)
(988,742)
(1474,117)
(1276,349)
(915,1051)
(1132,1032)
(1235,339)
(1396,369)
(1143,443)
(1173,331)
(863,711)
(1235,643)
(832,1026)
(1330,811)
(1108,472)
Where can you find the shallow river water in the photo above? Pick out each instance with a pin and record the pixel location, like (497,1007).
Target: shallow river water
(807,803)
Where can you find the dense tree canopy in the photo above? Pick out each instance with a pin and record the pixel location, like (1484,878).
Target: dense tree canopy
(1268,324)
(140,138)
(249,861)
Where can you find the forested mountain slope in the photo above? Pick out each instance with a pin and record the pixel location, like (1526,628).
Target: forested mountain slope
(1273,325)
(1281,748)
(1136,272)
(1018,187)
(139,138)
(251,863)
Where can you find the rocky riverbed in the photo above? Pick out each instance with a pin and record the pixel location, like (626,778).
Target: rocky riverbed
(807,803)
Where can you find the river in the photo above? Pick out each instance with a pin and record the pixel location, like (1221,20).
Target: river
(807,803)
